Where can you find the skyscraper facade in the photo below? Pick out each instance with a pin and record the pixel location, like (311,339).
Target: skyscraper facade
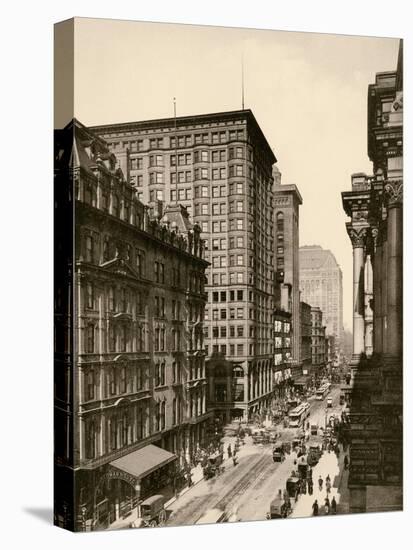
(219,166)
(321,284)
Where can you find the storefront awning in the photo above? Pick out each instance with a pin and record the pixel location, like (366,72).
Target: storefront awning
(301,381)
(142,462)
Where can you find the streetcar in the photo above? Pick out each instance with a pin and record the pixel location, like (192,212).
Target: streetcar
(322,392)
(297,416)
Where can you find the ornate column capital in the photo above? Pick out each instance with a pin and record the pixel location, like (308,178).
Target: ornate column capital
(393,190)
(358,236)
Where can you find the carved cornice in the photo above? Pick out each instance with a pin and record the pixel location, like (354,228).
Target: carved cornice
(358,236)
(393,190)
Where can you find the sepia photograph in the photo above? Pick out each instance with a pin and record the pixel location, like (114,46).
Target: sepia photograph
(228,274)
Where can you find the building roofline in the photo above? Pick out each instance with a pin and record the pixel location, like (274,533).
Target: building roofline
(159,122)
(289,188)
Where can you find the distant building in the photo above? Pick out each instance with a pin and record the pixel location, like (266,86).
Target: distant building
(287,203)
(321,285)
(318,345)
(306,338)
(282,352)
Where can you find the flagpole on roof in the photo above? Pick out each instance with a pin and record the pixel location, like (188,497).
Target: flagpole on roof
(242,81)
(176,154)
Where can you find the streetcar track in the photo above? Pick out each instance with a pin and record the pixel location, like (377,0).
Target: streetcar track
(243,484)
(240,483)
(254,477)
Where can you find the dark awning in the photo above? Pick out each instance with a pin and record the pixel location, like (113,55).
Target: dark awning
(301,381)
(142,462)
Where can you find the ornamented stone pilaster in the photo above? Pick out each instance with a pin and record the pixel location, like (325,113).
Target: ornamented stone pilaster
(393,190)
(358,237)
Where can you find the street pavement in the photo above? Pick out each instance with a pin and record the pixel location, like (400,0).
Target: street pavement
(246,490)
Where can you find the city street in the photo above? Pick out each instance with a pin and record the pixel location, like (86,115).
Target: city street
(246,490)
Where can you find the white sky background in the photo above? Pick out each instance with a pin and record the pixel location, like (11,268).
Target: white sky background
(307,91)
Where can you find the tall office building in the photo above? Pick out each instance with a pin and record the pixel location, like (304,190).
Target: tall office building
(321,284)
(287,204)
(219,166)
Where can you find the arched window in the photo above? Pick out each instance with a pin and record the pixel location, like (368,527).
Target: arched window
(280,221)
(238,372)
(90,384)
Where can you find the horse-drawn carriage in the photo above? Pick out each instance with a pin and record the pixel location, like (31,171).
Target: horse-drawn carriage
(280,507)
(278,453)
(152,512)
(314,454)
(213,465)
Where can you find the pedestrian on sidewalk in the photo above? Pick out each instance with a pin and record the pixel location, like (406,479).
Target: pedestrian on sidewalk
(327,506)
(334,506)
(234,460)
(346,462)
(320,483)
(315,508)
(229,451)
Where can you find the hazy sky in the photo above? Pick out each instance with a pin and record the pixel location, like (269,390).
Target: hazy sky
(307,91)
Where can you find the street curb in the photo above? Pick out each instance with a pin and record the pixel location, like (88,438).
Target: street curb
(183,492)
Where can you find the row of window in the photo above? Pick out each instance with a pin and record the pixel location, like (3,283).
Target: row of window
(253,349)
(112,203)
(280,342)
(120,429)
(233,295)
(238,313)
(182,141)
(119,299)
(117,380)
(221,332)
(282,326)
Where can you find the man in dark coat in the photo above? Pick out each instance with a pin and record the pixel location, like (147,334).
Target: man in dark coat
(315,508)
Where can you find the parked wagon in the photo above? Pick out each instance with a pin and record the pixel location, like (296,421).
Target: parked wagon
(213,465)
(279,508)
(278,453)
(153,512)
(292,485)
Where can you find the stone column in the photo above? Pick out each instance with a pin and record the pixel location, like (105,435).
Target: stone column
(358,240)
(377,313)
(368,317)
(384,290)
(394,193)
